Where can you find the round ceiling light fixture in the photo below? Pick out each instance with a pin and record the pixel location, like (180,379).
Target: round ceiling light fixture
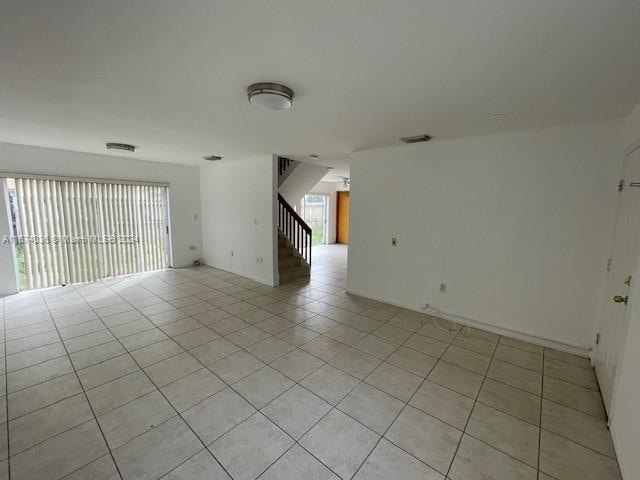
(270,95)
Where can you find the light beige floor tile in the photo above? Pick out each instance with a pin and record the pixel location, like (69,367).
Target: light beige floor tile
(324,348)
(427,345)
(134,418)
(565,459)
(394,381)
(388,461)
(456,378)
(425,437)
(344,334)
(39,373)
(191,389)
(100,469)
(217,414)
(269,349)
(586,430)
(236,366)
(573,396)
(106,371)
(296,411)
(583,377)
(513,342)
(515,376)
(60,455)
(503,432)
(340,443)
(34,341)
(476,460)
(262,386)
(157,451)
(297,464)
(35,356)
(43,394)
(37,426)
(371,407)
(116,393)
(173,368)
(251,447)
(95,355)
(521,358)
(330,384)
(297,335)
(442,403)
(412,361)
(195,338)
(151,354)
(143,339)
(355,362)
(297,364)
(511,400)
(430,329)
(476,344)
(181,327)
(575,360)
(247,336)
(201,466)
(467,359)
(393,334)
(228,325)
(214,351)
(375,346)
(87,341)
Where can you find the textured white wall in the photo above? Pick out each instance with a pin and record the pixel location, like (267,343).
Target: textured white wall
(516,224)
(238,205)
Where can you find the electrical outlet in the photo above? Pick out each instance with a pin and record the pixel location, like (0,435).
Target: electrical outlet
(192,247)
(259,260)
(443,288)
(232,253)
(394,241)
(425,306)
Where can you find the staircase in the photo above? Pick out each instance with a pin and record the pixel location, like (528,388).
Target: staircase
(291,265)
(294,244)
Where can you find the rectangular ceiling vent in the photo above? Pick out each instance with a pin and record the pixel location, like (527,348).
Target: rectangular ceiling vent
(416,139)
(212,158)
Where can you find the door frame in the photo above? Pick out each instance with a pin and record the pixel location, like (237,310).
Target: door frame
(634,271)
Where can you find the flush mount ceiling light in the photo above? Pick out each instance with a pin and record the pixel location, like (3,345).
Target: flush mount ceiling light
(120,146)
(270,95)
(313,156)
(212,158)
(498,116)
(416,139)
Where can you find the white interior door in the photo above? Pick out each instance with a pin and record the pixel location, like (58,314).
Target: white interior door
(624,258)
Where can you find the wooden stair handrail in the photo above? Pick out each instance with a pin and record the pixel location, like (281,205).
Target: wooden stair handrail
(295,229)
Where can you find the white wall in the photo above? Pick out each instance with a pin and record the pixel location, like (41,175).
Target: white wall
(8,277)
(238,213)
(516,224)
(625,421)
(301,181)
(184,192)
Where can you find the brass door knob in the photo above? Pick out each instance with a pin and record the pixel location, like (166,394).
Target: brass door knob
(621,299)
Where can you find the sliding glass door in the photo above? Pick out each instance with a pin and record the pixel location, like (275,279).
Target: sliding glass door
(72,231)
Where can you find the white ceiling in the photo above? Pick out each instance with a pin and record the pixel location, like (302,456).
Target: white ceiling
(170,76)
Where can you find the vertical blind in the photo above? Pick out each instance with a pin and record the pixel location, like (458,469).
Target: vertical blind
(80,231)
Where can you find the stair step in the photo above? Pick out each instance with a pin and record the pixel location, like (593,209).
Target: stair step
(288,261)
(290,274)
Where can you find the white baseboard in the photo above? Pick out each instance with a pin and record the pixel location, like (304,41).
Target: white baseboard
(580,350)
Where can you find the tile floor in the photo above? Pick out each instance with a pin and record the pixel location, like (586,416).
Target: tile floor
(201,374)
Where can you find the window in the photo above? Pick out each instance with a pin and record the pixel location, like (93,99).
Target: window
(70,231)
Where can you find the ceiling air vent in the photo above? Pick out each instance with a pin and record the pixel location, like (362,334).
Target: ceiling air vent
(416,139)
(120,146)
(212,158)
